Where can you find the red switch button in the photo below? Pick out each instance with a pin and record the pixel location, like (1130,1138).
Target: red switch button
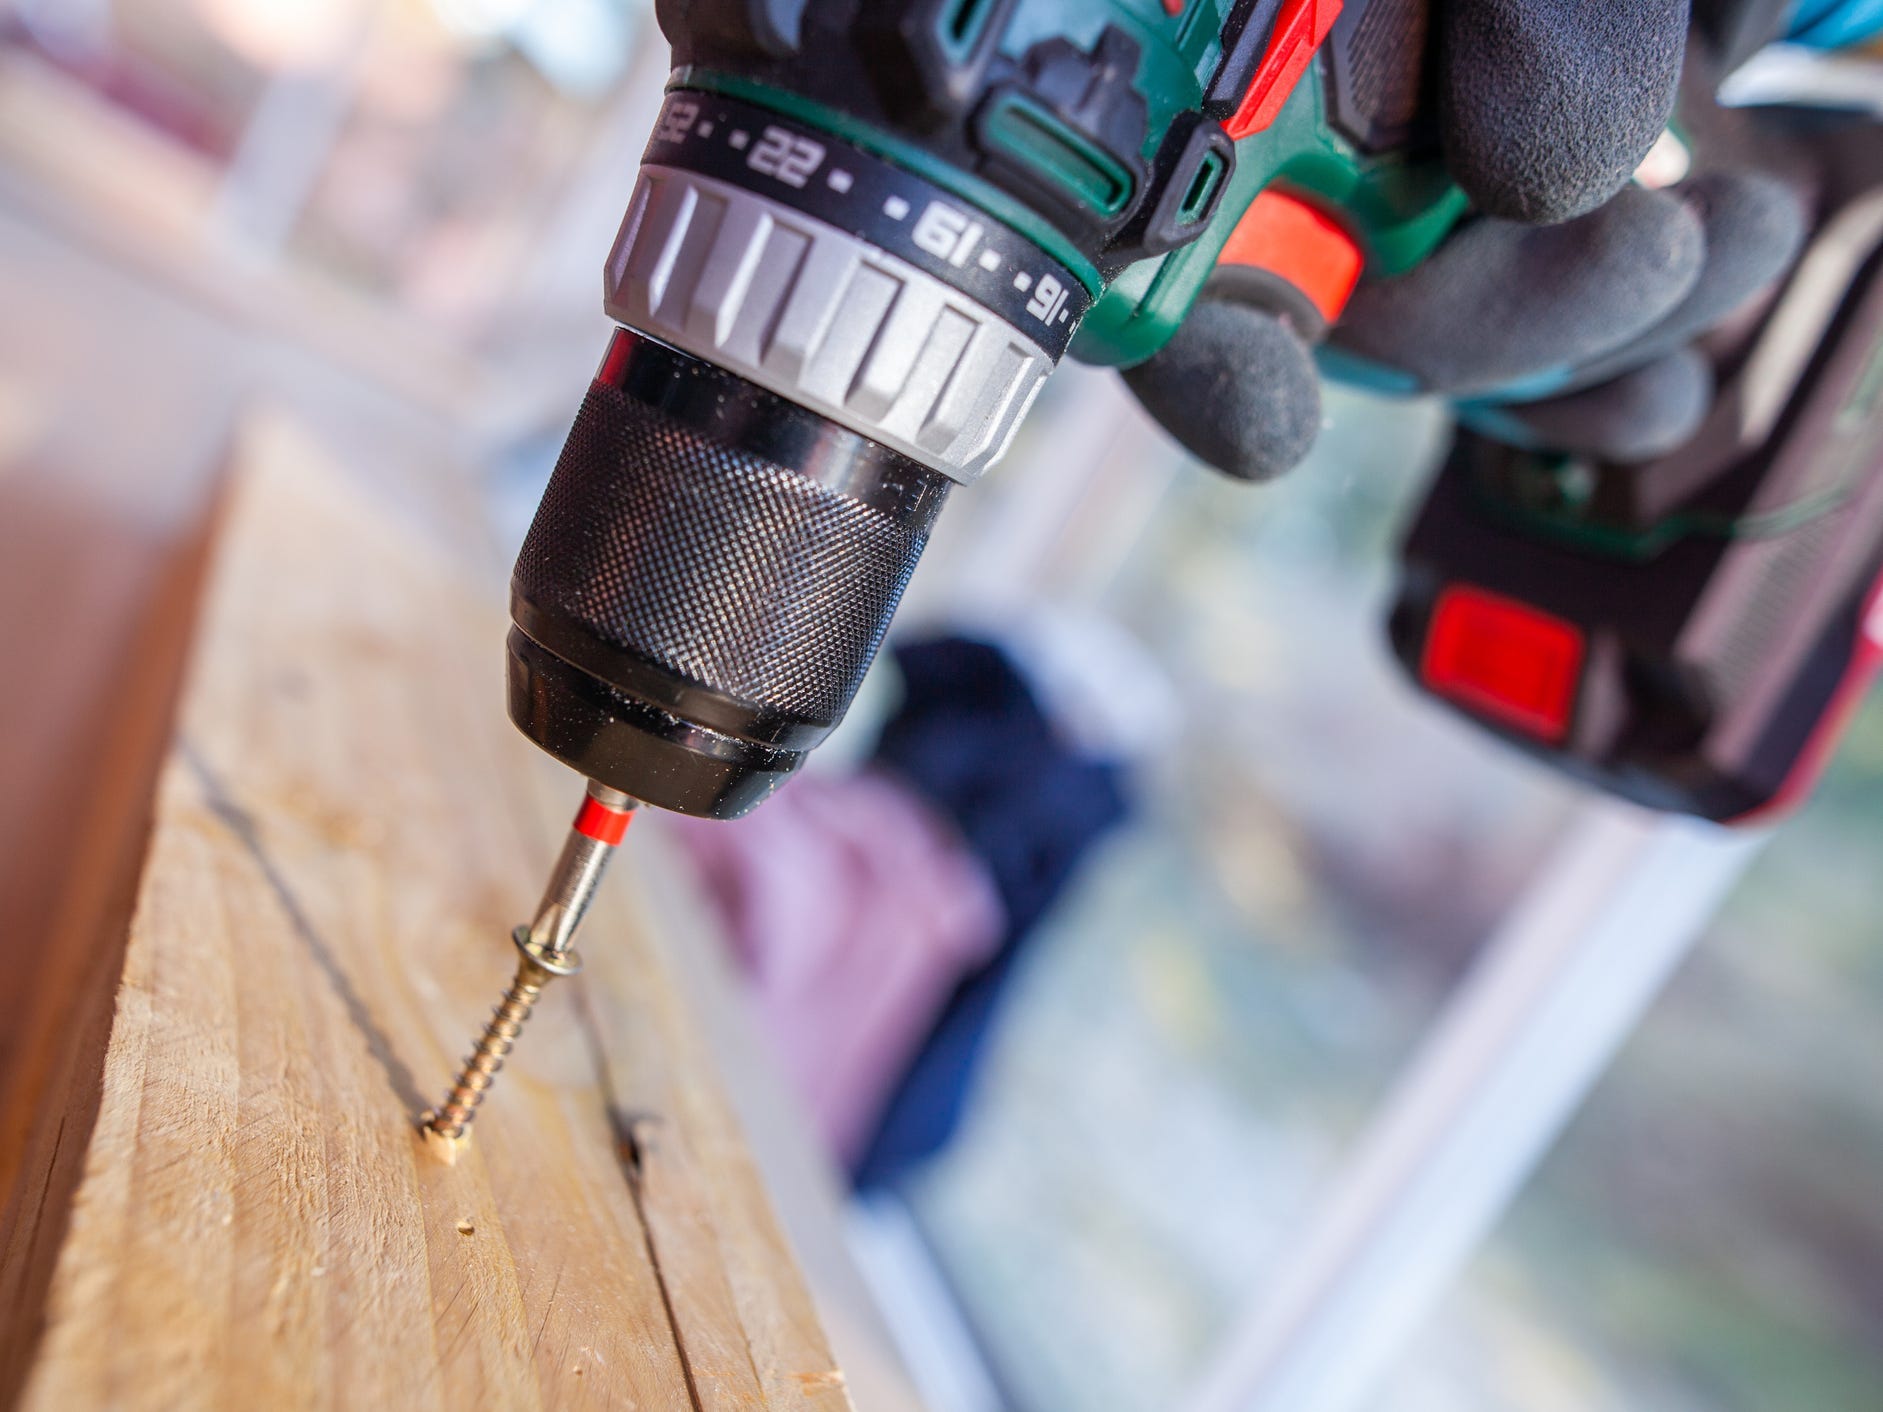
(1310,249)
(1504,660)
(1299,30)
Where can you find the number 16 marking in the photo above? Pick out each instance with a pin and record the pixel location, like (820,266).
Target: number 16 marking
(1049,299)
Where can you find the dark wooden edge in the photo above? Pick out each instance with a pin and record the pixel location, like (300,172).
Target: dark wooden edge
(65,947)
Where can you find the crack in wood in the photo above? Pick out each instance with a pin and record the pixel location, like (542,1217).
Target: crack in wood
(629,1154)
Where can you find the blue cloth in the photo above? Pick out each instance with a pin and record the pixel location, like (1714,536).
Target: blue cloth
(1833,24)
(972,739)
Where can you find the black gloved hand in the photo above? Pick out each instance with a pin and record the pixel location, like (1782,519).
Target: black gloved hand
(1577,336)
(1569,285)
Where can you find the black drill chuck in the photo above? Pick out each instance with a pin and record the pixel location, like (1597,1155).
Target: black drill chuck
(708,577)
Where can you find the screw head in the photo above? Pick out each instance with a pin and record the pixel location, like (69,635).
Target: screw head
(566,963)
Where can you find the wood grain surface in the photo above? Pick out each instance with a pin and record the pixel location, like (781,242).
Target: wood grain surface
(346,828)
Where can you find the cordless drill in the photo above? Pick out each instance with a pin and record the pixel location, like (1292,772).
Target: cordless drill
(863,234)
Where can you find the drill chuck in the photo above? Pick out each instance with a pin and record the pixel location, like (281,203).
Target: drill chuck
(815,345)
(708,577)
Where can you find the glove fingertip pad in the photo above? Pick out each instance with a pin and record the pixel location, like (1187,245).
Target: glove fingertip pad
(1548,106)
(1755,225)
(1237,387)
(1635,417)
(1502,302)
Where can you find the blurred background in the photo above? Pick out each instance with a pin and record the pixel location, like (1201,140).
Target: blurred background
(1124,1068)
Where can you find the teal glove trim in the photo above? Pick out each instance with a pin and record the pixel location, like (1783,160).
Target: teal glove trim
(1355,371)
(1544,384)
(1497,423)
(1365,374)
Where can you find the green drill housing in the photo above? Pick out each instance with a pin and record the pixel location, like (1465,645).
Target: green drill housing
(1081,124)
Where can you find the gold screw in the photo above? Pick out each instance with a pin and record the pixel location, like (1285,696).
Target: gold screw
(545,949)
(480,1070)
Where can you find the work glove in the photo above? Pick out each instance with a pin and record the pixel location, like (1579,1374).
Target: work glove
(1561,311)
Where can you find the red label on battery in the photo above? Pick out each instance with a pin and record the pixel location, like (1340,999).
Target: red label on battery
(1504,660)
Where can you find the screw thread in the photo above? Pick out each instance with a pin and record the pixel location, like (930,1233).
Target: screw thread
(480,1070)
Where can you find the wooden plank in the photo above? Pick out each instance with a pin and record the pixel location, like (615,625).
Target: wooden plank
(345,830)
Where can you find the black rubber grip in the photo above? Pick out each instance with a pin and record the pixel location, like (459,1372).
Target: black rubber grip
(1379,77)
(747,551)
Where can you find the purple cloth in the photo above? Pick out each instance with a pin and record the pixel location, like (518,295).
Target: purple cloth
(855,911)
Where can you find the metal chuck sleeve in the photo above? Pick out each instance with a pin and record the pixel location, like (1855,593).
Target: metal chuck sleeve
(707,579)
